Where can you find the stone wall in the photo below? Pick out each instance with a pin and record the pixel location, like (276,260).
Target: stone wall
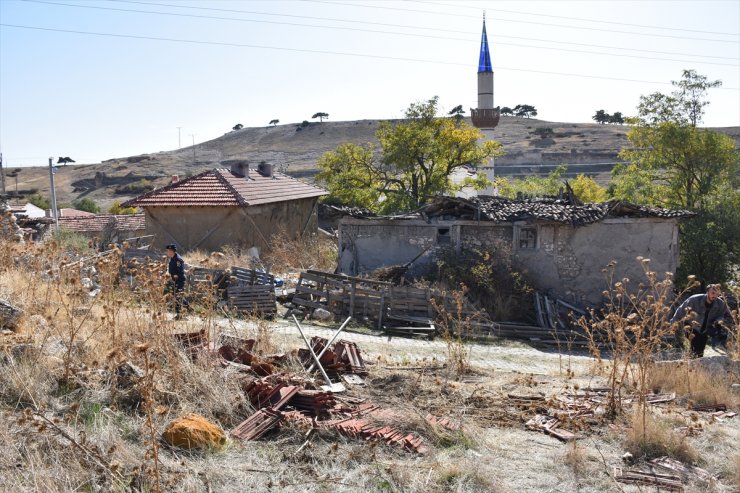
(9,230)
(565,261)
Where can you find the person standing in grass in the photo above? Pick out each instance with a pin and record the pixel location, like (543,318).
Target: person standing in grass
(703,314)
(176,284)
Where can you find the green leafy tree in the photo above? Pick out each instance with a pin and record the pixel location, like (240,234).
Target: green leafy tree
(320,116)
(601,117)
(116,208)
(506,111)
(87,205)
(587,190)
(683,166)
(40,201)
(238,126)
(525,110)
(417,157)
(617,118)
(274,122)
(533,186)
(457,112)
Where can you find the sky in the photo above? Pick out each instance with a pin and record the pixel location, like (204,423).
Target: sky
(95,79)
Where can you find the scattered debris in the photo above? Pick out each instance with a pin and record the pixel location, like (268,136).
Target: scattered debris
(10,315)
(687,472)
(669,482)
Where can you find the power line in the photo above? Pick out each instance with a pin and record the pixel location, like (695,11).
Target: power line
(448,14)
(457,5)
(365,30)
(406,26)
(326,52)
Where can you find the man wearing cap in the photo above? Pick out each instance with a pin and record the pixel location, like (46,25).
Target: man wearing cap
(176,285)
(703,315)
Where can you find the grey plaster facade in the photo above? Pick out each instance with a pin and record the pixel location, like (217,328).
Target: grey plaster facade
(560,259)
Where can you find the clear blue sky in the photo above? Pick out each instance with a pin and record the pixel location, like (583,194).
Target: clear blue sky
(125,91)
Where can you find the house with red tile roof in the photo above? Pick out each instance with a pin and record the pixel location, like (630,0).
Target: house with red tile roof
(236,206)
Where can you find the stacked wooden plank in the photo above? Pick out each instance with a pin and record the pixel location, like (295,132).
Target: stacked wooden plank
(251,277)
(667,482)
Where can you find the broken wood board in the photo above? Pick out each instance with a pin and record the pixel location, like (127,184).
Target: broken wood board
(669,482)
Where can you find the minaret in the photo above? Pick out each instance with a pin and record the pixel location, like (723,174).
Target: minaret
(485,115)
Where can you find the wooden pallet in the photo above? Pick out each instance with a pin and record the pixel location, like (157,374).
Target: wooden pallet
(257,299)
(251,277)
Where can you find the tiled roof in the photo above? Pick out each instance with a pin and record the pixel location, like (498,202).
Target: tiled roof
(98,222)
(220,187)
(499,209)
(74,213)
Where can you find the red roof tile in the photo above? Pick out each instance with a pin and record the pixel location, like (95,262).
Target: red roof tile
(98,222)
(221,188)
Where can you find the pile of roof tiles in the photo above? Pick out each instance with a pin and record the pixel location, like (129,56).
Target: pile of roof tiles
(341,357)
(238,352)
(310,405)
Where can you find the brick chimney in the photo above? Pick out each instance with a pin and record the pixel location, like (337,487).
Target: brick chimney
(238,167)
(175,179)
(265,169)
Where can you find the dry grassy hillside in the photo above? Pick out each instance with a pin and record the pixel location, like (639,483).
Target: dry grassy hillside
(586,147)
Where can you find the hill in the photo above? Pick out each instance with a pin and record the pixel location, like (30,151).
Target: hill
(585,147)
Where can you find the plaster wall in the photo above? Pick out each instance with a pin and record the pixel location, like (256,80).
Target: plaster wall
(211,228)
(566,261)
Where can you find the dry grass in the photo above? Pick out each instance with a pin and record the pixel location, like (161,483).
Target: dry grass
(650,437)
(688,379)
(72,425)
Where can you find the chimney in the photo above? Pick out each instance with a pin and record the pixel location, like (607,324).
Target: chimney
(175,179)
(238,167)
(265,169)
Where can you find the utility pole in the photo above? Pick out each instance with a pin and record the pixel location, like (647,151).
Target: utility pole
(179,145)
(193,136)
(53,195)
(2,175)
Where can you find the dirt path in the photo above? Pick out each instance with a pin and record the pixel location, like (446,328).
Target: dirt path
(504,356)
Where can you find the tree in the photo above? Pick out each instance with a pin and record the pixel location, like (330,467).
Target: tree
(587,190)
(417,157)
(40,201)
(506,111)
(116,208)
(533,186)
(682,166)
(65,160)
(525,110)
(87,205)
(617,118)
(320,116)
(238,126)
(457,112)
(601,117)
(274,122)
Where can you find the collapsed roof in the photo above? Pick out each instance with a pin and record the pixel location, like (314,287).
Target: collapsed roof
(498,209)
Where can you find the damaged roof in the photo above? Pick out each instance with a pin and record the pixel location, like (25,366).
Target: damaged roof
(98,222)
(498,209)
(222,188)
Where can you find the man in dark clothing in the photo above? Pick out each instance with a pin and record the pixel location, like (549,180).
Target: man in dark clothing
(176,284)
(703,314)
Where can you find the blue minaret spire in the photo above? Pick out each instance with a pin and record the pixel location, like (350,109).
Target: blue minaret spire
(484,62)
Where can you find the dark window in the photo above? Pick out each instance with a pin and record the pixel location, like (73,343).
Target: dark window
(528,238)
(443,236)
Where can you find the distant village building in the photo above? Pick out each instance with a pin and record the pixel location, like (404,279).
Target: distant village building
(238,206)
(105,228)
(560,246)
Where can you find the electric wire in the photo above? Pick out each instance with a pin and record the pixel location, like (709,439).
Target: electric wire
(325,52)
(406,26)
(449,14)
(370,31)
(459,5)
